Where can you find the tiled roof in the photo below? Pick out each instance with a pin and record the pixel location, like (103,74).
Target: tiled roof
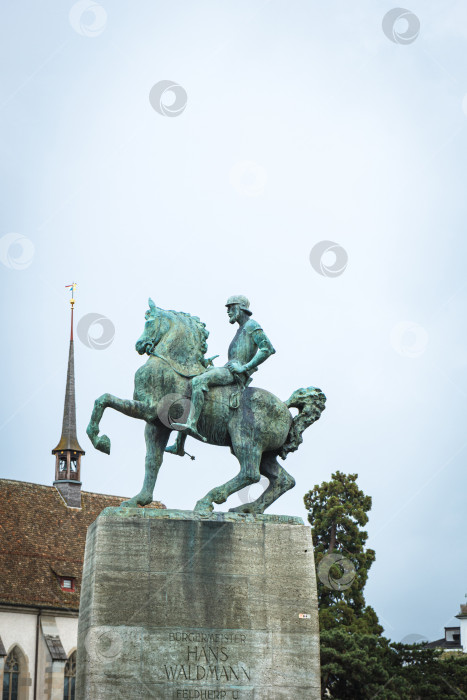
(42,539)
(443,644)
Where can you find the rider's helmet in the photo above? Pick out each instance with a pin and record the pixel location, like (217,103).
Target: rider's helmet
(241,301)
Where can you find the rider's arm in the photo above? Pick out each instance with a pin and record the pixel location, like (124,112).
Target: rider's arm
(264,351)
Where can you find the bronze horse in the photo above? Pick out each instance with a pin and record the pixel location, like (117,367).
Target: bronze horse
(259,430)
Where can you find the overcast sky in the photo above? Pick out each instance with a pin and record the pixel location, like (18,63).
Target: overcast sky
(294,123)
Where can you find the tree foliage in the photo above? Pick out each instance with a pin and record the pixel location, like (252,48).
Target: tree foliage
(368,666)
(337,510)
(357,663)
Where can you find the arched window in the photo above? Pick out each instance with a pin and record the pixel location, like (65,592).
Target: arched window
(70,676)
(11,676)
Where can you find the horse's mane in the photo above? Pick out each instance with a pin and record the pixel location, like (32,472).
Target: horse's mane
(198,327)
(193,323)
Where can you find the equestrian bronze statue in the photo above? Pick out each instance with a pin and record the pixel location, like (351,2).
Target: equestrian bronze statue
(179,389)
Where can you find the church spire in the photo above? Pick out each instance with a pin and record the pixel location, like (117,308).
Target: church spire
(68,451)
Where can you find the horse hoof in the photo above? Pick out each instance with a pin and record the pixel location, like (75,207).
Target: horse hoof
(139,500)
(204,507)
(103,444)
(129,504)
(241,509)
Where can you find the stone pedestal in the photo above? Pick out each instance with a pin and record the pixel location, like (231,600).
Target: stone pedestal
(177,606)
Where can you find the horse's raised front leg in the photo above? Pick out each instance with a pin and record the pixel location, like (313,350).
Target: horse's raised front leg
(249,456)
(134,409)
(156,436)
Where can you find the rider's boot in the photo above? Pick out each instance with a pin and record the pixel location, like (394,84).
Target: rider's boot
(190,427)
(178,448)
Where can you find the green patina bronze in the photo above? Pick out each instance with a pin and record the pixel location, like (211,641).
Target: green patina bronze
(166,514)
(179,389)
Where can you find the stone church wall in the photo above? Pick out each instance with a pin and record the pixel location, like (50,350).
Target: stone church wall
(18,629)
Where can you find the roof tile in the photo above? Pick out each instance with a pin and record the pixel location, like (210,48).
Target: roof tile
(42,539)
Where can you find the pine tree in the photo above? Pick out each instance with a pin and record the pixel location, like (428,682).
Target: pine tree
(337,510)
(356,661)
(370,667)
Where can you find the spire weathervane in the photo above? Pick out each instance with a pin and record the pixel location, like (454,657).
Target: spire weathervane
(72,288)
(68,451)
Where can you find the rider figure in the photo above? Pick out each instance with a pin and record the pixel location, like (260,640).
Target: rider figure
(249,348)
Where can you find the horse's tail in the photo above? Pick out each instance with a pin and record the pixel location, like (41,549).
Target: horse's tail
(310,403)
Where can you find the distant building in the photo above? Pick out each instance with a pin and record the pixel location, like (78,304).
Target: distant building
(42,538)
(455,638)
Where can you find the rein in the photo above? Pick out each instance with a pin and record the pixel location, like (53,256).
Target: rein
(150,350)
(161,357)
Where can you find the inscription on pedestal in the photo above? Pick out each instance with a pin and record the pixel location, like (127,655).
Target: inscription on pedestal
(208,658)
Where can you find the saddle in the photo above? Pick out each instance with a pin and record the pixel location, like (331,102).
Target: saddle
(240,385)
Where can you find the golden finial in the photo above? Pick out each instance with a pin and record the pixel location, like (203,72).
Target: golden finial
(72,287)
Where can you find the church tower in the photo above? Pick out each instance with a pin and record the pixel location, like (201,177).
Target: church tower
(68,451)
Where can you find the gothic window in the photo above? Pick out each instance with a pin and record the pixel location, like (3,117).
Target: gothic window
(70,675)
(11,676)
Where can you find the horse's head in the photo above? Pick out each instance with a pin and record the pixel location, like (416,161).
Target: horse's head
(151,333)
(180,337)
